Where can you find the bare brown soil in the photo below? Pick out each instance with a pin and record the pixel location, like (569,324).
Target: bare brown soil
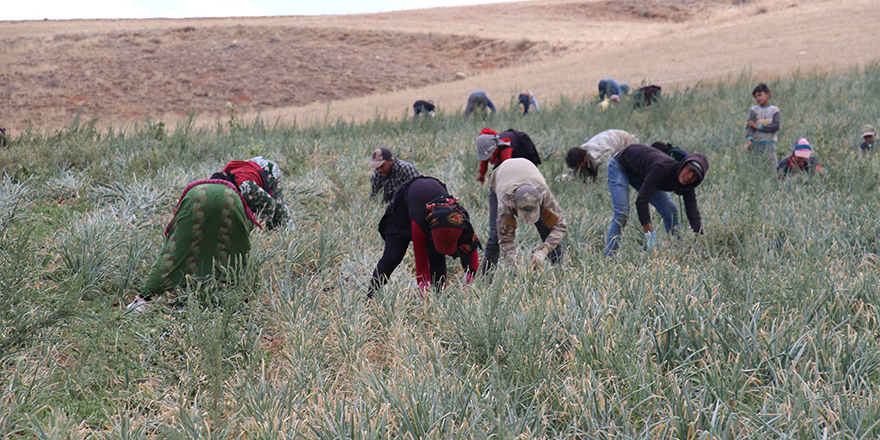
(123,71)
(134,74)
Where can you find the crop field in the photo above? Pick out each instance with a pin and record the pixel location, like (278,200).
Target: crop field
(767,326)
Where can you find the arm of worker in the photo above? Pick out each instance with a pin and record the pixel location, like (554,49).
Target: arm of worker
(484,168)
(375,184)
(420,252)
(259,201)
(773,126)
(470,263)
(644,198)
(751,125)
(506,234)
(693,211)
(552,216)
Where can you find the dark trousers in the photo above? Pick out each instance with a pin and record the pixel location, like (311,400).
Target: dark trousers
(477,103)
(395,250)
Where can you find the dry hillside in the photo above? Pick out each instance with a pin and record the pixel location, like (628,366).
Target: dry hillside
(309,68)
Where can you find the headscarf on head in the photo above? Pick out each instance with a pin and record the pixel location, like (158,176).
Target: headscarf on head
(487,142)
(445,212)
(445,239)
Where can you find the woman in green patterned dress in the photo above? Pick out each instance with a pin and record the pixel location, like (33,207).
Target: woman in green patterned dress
(210,229)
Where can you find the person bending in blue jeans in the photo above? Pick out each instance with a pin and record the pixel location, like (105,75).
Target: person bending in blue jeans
(653,174)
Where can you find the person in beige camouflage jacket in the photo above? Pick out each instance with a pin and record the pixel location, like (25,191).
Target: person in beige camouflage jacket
(523,195)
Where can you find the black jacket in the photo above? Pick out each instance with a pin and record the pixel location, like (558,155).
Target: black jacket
(408,204)
(658,171)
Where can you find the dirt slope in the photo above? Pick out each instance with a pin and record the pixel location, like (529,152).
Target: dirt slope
(122,71)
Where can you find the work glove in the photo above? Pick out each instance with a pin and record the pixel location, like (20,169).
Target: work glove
(650,240)
(539,258)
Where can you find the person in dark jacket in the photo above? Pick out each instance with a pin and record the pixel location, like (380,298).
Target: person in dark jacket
(653,174)
(423,212)
(422,106)
(800,160)
(608,87)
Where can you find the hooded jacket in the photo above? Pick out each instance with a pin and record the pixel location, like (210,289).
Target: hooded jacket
(658,171)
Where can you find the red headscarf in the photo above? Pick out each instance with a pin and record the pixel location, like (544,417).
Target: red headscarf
(445,239)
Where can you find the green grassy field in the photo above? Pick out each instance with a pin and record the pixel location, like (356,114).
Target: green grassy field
(766,327)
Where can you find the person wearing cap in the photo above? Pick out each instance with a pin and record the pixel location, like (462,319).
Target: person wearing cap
(585,160)
(523,196)
(527,98)
(801,160)
(422,106)
(494,149)
(389,173)
(478,101)
(653,174)
(423,212)
(870,137)
(608,87)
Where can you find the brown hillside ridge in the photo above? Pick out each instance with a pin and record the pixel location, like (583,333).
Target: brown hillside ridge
(129,75)
(353,66)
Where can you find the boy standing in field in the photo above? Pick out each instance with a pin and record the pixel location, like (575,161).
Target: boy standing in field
(762,126)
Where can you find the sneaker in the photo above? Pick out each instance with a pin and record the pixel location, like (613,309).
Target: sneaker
(138,305)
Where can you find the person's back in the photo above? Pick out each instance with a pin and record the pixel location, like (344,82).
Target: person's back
(608,87)
(479,101)
(513,173)
(409,205)
(422,106)
(605,144)
(586,159)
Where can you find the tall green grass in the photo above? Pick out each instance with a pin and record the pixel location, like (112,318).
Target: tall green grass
(765,327)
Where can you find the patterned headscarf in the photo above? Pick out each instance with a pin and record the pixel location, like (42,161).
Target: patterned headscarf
(445,212)
(445,239)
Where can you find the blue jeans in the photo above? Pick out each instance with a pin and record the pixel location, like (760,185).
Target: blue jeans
(618,183)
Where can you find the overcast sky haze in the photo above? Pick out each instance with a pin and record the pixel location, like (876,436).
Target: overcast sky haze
(67,9)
